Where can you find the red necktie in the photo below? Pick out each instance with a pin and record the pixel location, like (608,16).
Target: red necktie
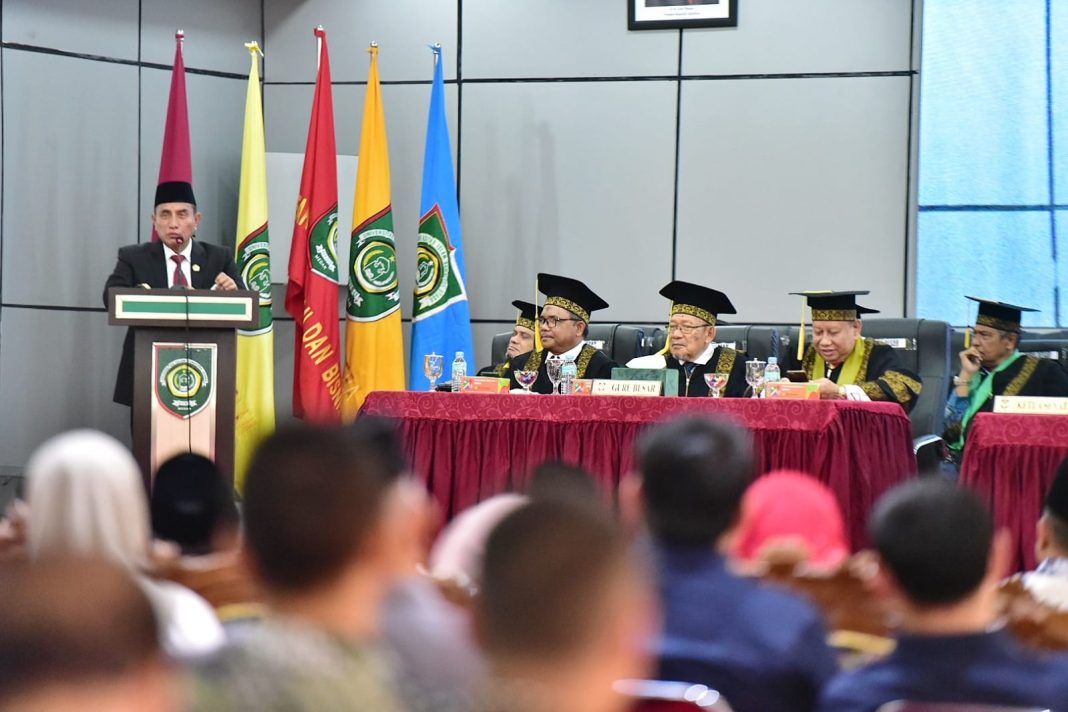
(179,275)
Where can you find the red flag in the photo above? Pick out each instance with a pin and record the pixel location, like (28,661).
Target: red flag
(312,292)
(176,162)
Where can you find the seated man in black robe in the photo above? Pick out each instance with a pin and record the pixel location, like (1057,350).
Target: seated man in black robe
(839,356)
(521,341)
(691,349)
(993,366)
(564,320)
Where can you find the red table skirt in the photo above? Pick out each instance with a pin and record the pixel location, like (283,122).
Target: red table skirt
(470,446)
(1010,461)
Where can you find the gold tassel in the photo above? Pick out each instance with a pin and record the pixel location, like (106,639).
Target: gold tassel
(801,335)
(537,322)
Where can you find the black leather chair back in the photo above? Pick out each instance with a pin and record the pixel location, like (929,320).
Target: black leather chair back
(499,346)
(620,342)
(763,341)
(1051,344)
(735,336)
(923,345)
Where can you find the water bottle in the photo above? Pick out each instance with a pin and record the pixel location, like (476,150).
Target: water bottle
(568,374)
(459,370)
(771,372)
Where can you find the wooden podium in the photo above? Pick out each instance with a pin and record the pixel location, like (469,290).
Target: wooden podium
(185,359)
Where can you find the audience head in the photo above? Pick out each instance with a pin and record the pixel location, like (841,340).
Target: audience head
(694,472)
(563,604)
(936,541)
(192,505)
(557,480)
(1052,532)
(86,498)
(318,501)
(78,634)
(457,554)
(791,513)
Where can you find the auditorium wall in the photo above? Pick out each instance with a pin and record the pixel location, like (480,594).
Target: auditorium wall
(772,157)
(84,95)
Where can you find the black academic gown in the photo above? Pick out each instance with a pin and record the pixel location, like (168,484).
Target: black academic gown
(591,363)
(143,264)
(1027,376)
(724,360)
(881,375)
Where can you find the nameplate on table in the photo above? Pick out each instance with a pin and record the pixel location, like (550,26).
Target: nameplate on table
(1033,405)
(792,391)
(604,387)
(484,384)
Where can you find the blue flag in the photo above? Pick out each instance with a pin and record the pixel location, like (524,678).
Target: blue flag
(441,319)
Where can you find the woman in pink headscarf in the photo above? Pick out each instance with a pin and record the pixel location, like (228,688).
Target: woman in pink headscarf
(788,513)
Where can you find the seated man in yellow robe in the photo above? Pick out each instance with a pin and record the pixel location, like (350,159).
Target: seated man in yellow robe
(839,356)
(691,349)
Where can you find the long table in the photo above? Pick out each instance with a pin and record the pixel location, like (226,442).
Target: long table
(1010,461)
(469,446)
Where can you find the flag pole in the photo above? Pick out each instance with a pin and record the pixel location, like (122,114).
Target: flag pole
(319,32)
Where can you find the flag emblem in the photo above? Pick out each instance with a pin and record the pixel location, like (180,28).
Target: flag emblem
(322,246)
(438,283)
(183,385)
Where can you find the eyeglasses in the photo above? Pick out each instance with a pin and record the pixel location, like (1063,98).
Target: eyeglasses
(553,321)
(685,329)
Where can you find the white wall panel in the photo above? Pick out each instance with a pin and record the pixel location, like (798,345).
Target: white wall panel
(569,178)
(787,36)
(70,177)
(794,184)
(402,28)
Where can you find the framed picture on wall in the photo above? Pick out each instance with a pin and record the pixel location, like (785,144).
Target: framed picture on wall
(676,14)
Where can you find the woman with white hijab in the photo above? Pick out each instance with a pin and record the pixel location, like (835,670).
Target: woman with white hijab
(86,499)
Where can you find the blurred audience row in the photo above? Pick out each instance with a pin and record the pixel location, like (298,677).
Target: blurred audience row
(335,586)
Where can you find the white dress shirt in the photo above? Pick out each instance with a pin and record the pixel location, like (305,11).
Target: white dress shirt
(186,264)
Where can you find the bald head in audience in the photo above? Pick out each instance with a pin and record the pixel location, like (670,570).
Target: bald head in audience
(78,635)
(563,609)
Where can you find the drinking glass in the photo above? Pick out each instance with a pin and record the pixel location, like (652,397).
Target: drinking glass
(754,375)
(716,382)
(432,367)
(526,379)
(552,370)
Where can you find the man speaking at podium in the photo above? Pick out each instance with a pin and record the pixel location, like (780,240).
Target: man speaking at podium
(177,260)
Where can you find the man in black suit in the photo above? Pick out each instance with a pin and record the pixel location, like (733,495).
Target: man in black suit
(175,260)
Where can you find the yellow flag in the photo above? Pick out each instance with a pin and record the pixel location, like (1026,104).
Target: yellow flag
(374,348)
(254,410)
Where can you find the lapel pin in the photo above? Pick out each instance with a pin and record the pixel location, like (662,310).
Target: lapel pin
(196,268)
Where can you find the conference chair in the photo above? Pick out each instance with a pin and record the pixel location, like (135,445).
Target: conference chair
(923,346)
(620,342)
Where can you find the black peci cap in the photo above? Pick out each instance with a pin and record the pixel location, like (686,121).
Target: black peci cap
(999,315)
(835,306)
(702,302)
(528,314)
(569,294)
(175,191)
